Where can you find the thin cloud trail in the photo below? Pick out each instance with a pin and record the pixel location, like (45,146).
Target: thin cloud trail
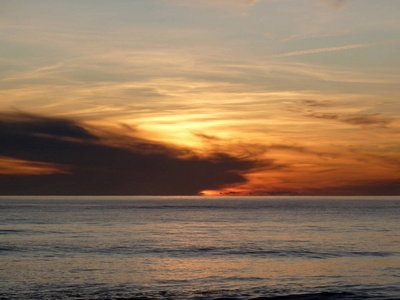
(331,49)
(338,3)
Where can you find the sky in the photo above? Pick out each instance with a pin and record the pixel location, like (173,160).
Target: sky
(199,97)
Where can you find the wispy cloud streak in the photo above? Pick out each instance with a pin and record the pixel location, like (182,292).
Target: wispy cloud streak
(238,3)
(331,49)
(338,3)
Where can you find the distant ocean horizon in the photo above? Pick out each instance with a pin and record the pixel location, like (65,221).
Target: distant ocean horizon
(200,247)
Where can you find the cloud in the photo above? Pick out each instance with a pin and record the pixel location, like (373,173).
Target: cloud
(325,116)
(386,187)
(331,49)
(287,148)
(368,120)
(376,120)
(26,124)
(239,3)
(315,35)
(99,166)
(207,137)
(12,166)
(315,103)
(338,3)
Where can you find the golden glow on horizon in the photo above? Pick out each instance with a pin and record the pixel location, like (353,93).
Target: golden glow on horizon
(209,193)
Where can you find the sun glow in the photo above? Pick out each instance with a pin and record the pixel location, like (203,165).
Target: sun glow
(210,193)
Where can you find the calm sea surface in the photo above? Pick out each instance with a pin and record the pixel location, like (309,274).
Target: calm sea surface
(199,248)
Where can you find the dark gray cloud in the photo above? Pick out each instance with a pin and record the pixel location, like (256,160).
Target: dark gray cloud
(315,103)
(326,116)
(300,149)
(366,188)
(25,124)
(368,120)
(374,120)
(207,137)
(288,147)
(264,193)
(98,168)
(363,188)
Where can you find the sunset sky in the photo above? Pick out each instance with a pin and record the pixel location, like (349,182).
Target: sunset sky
(213,97)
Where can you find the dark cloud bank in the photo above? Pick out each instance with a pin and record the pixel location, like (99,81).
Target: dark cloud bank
(96,167)
(107,164)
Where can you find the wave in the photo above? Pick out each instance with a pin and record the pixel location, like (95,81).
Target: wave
(60,250)
(121,294)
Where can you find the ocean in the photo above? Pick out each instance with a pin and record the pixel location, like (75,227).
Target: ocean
(199,248)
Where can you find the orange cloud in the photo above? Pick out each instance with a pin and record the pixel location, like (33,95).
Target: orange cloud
(12,166)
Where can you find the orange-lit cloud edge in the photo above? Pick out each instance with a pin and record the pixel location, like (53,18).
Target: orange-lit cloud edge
(213,167)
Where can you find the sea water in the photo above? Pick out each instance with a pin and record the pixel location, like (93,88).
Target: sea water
(200,248)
